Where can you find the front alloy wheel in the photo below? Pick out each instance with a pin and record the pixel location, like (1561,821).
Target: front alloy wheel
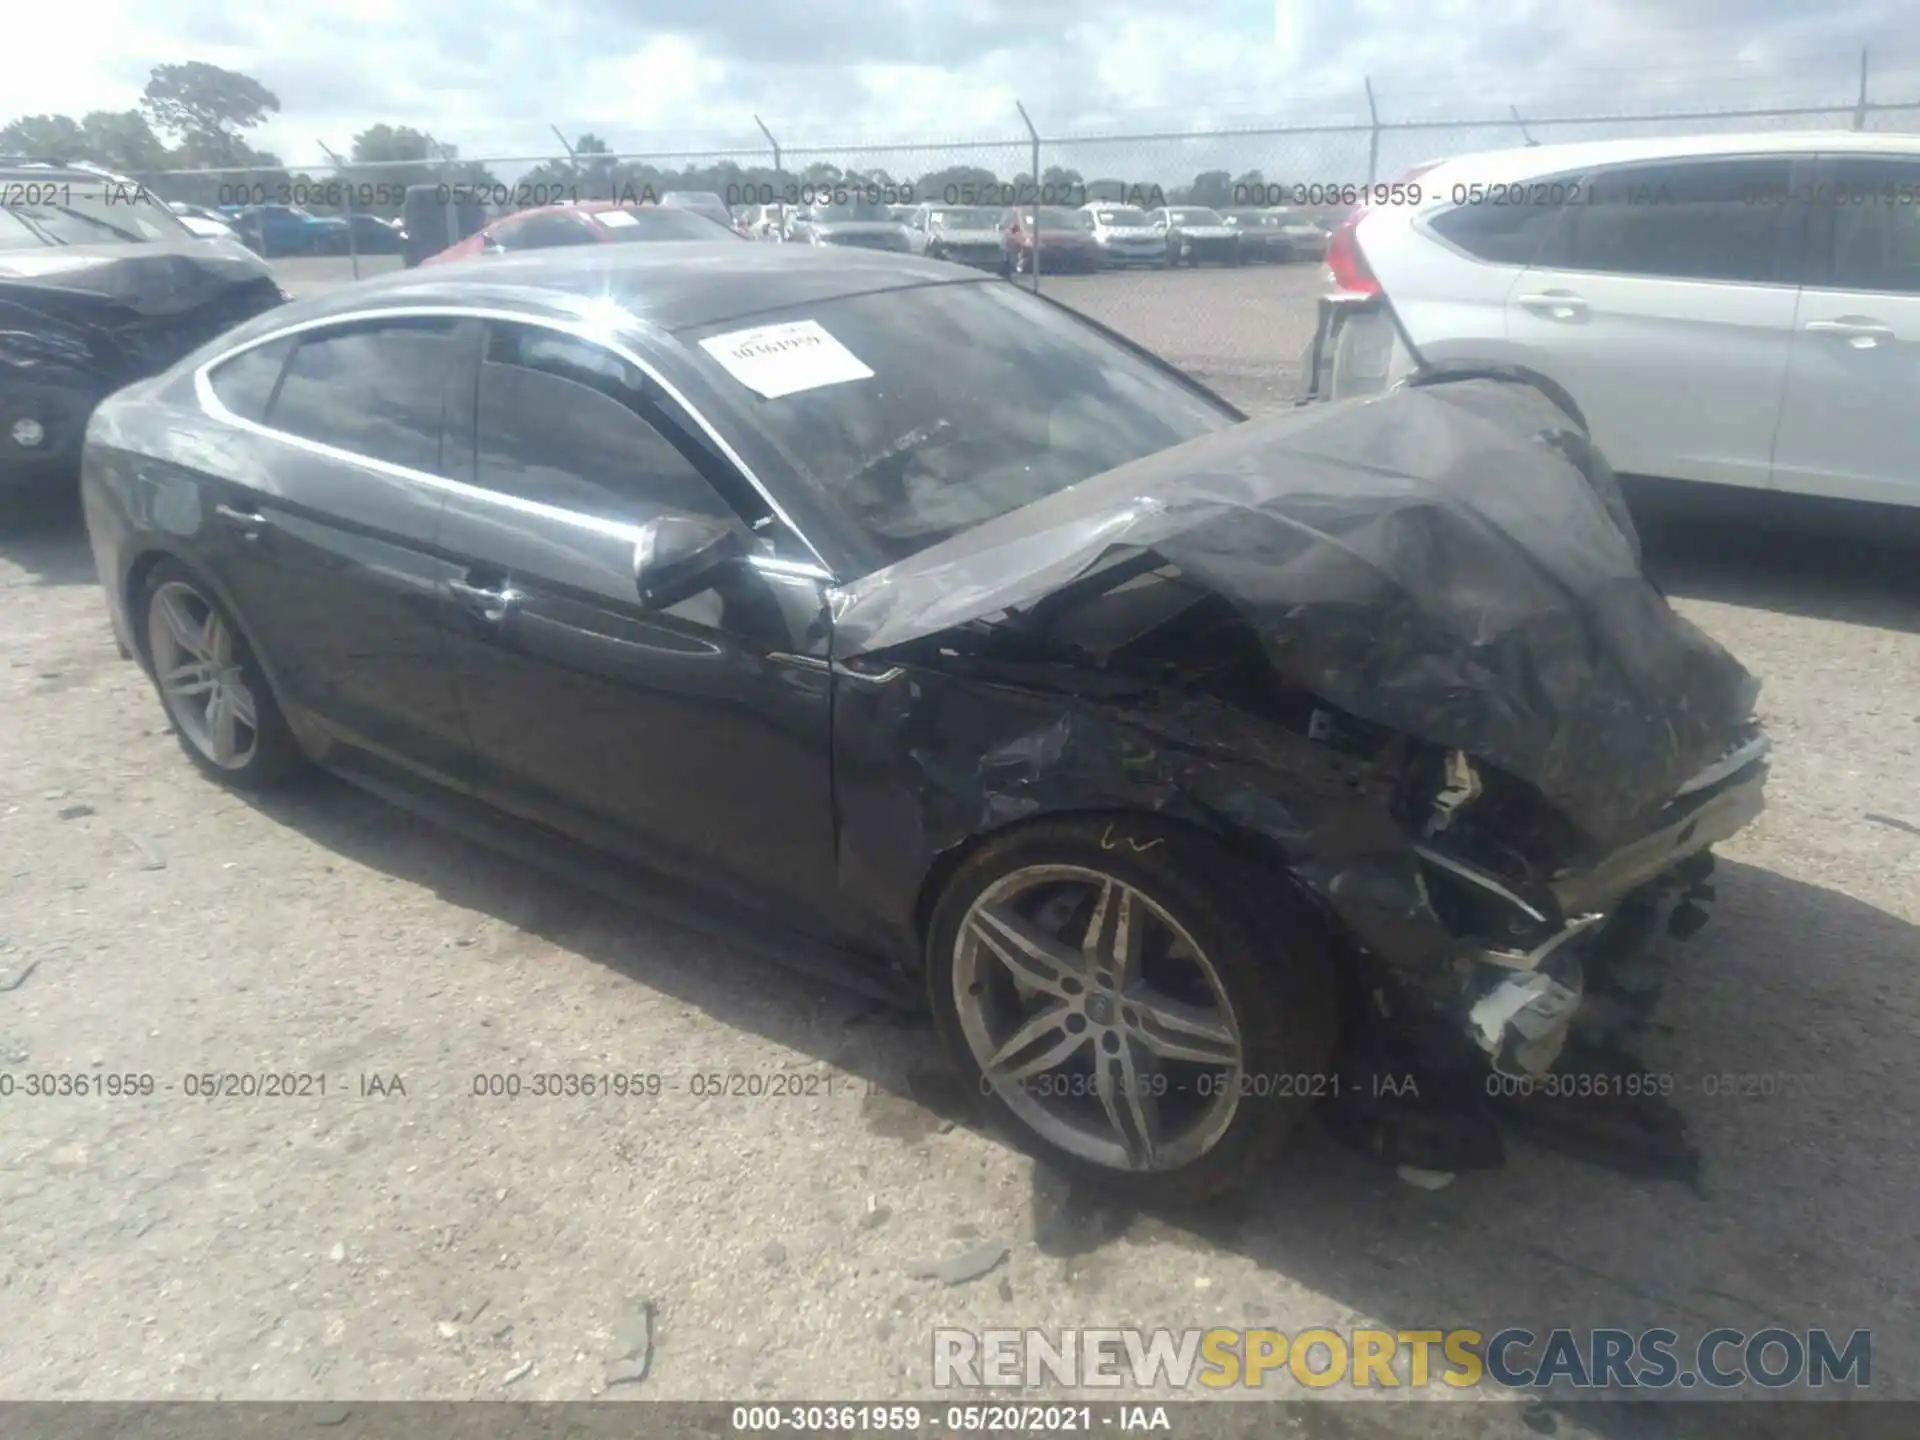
(1148,1012)
(1097,1018)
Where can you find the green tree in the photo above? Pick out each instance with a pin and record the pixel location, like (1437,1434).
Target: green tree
(206,107)
(122,140)
(1212,188)
(53,137)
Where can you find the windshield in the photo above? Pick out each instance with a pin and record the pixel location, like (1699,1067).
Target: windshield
(1197,217)
(1122,215)
(854,210)
(662,222)
(1026,401)
(963,219)
(56,212)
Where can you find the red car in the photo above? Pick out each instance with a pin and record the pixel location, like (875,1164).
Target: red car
(588,222)
(1066,240)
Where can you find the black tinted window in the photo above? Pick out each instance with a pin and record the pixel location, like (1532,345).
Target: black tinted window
(1874,219)
(1688,220)
(566,422)
(1508,231)
(376,389)
(245,383)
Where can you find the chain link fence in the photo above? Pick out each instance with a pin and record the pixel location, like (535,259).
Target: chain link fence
(1240,325)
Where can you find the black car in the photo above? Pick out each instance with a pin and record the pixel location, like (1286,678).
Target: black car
(1262,238)
(100,284)
(1179,762)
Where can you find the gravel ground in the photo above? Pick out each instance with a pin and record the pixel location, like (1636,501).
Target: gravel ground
(427,1243)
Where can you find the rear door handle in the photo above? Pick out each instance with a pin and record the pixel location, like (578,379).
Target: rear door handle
(1555,304)
(1864,333)
(490,604)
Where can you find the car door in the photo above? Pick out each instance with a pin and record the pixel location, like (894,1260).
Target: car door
(323,540)
(1663,302)
(1854,370)
(693,739)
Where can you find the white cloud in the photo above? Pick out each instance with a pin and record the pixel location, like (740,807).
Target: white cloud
(491,76)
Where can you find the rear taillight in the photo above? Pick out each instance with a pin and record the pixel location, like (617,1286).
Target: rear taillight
(1344,258)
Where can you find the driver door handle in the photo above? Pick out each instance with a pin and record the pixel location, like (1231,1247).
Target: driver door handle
(490,604)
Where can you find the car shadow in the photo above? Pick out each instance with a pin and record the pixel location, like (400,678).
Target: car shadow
(1819,571)
(1798,1090)
(45,536)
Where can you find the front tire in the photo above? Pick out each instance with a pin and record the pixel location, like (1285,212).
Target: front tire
(1145,1012)
(213,689)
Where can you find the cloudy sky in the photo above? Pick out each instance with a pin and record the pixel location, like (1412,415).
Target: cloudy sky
(491,76)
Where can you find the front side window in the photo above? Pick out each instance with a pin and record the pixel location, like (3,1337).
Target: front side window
(568,423)
(376,389)
(1026,400)
(1874,218)
(1681,220)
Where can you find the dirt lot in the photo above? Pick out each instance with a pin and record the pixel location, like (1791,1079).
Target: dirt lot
(427,1243)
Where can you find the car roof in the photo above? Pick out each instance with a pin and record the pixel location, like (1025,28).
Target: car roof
(1529,160)
(670,284)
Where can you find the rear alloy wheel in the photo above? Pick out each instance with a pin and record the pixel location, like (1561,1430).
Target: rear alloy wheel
(212,687)
(1142,1020)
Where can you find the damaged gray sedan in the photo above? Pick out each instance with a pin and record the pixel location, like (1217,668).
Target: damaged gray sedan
(1189,768)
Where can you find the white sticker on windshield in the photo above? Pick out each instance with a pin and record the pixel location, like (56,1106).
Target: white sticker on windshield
(776,360)
(617,217)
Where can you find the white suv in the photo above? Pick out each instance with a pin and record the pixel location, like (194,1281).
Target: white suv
(1728,309)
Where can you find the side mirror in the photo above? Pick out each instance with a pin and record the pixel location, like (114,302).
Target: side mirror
(679,555)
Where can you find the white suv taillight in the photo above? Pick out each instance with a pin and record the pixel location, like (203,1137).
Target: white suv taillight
(1345,261)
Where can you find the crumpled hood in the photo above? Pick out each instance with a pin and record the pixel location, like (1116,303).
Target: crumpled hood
(151,280)
(1452,561)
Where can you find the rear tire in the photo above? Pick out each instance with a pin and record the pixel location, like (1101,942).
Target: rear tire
(211,685)
(1227,964)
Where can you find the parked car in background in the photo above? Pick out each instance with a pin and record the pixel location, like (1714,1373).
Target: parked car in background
(858,221)
(200,221)
(434,217)
(1721,310)
(588,222)
(1066,240)
(1262,238)
(372,235)
(1197,235)
(100,285)
(276,230)
(965,234)
(761,222)
(701,202)
(729,600)
(1126,235)
(1306,232)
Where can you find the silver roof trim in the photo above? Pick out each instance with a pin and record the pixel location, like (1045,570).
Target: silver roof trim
(579,330)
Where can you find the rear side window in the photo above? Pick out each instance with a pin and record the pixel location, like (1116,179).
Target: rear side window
(245,384)
(1874,224)
(376,389)
(1681,220)
(1506,225)
(568,423)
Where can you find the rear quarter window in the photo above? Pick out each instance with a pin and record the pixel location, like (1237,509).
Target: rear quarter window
(1506,225)
(245,384)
